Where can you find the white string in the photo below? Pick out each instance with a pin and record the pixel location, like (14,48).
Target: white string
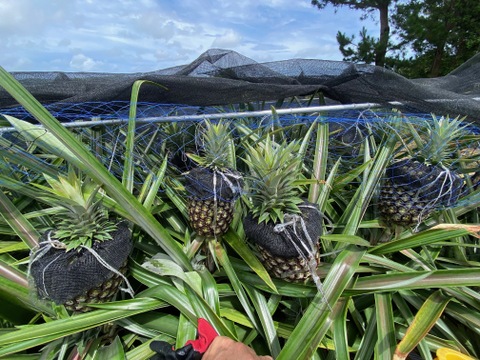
(293,220)
(447,176)
(311,262)
(215,204)
(38,252)
(226,175)
(128,289)
(236,189)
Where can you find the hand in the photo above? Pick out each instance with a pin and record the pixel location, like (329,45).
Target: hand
(224,348)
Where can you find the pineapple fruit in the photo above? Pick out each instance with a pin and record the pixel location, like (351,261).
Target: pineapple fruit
(83,258)
(283,226)
(214,184)
(415,186)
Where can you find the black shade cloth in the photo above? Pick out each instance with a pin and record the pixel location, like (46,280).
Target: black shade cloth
(222,77)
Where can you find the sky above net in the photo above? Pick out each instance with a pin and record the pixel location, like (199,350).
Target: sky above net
(146,35)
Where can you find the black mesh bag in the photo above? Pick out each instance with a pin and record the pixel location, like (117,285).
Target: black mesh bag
(279,243)
(61,276)
(203,183)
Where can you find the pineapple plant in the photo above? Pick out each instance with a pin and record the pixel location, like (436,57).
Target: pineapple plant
(417,185)
(283,227)
(82,258)
(213,184)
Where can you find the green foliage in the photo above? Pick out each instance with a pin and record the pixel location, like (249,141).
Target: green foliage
(361,52)
(432,37)
(438,136)
(368,49)
(274,172)
(382,292)
(216,144)
(442,34)
(79,218)
(56,140)
(364,5)
(424,320)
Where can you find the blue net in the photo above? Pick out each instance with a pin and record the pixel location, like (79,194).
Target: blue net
(172,131)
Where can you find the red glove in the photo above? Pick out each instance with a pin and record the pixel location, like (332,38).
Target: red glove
(193,349)
(205,335)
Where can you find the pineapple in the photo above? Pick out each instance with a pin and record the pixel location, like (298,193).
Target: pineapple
(283,226)
(213,185)
(414,187)
(83,258)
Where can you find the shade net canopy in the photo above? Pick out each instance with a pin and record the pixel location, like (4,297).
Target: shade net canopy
(223,77)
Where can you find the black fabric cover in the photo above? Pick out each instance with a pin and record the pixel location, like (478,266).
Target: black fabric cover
(200,184)
(221,77)
(60,276)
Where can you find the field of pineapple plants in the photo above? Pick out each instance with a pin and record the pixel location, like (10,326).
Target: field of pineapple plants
(314,235)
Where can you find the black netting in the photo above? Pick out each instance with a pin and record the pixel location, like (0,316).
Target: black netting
(221,77)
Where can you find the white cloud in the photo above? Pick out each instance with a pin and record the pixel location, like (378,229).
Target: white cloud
(145,35)
(229,39)
(81,62)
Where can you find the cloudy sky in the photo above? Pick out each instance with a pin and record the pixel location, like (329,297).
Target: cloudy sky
(145,35)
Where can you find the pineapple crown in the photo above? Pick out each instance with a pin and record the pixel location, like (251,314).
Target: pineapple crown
(274,172)
(79,218)
(217,147)
(435,144)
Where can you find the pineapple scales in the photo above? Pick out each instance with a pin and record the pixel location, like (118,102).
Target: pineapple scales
(283,226)
(83,258)
(213,185)
(417,185)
